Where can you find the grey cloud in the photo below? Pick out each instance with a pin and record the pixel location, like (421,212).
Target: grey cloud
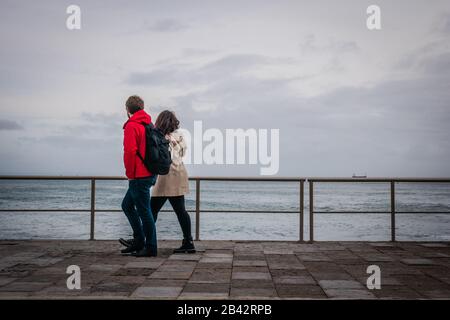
(437,66)
(102,118)
(412,60)
(97,126)
(88,144)
(399,124)
(9,125)
(442,24)
(160,76)
(392,128)
(167,25)
(221,70)
(235,63)
(433,56)
(310,45)
(189,52)
(63,142)
(430,55)
(98,132)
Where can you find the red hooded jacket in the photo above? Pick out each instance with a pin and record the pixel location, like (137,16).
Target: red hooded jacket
(134,141)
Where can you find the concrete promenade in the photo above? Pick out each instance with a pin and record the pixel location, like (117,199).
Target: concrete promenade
(226,270)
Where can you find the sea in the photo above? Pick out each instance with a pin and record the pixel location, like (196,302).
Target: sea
(418,198)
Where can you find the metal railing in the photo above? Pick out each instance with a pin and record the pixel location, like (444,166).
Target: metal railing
(197,180)
(391,181)
(300,180)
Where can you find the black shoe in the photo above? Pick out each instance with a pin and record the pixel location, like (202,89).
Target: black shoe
(133,248)
(145,252)
(186,247)
(126,243)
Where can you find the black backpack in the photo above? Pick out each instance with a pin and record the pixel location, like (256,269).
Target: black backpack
(157,154)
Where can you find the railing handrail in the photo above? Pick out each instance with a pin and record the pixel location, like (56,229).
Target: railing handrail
(237,178)
(301,180)
(206,178)
(379,179)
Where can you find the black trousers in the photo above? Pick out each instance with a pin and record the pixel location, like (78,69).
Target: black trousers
(178,206)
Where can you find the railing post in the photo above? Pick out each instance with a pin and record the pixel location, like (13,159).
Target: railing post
(301,211)
(197,209)
(92,237)
(311,211)
(392,211)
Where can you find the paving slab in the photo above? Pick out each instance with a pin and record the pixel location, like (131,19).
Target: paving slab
(203,296)
(300,280)
(6,280)
(186,257)
(435,245)
(249,263)
(149,282)
(149,264)
(105,267)
(396,293)
(254,293)
(225,260)
(207,287)
(285,265)
(227,270)
(311,257)
(251,283)
(417,262)
(279,251)
(221,265)
(340,284)
(25,286)
(437,294)
(157,292)
(251,275)
(114,286)
(300,292)
(171,275)
(211,276)
(250,269)
(349,294)
(133,272)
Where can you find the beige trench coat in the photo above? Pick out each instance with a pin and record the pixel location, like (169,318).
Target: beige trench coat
(175,183)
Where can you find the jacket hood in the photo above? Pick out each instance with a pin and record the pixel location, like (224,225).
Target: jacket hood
(176,135)
(139,117)
(176,138)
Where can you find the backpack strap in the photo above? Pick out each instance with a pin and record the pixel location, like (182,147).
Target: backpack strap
(137,152)
(139,156)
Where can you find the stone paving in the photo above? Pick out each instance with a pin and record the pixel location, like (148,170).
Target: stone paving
(226,270)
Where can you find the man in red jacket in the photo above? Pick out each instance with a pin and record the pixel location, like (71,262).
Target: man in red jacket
(136,203)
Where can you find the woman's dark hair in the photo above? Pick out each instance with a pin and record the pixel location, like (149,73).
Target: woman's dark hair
(167,122)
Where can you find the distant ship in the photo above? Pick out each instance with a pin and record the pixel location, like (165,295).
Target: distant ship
(359,176)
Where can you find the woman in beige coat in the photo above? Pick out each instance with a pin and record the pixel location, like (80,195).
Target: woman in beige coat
(175,184)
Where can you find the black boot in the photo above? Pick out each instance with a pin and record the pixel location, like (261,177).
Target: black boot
(136,246)
(145,252)
(186,247)
(127,242)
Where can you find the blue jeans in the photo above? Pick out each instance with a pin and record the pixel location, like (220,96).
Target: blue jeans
(136,206)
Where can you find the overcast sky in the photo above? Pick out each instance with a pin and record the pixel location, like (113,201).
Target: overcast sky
(346,100)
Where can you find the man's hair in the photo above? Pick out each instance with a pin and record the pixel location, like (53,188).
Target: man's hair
(134,104)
